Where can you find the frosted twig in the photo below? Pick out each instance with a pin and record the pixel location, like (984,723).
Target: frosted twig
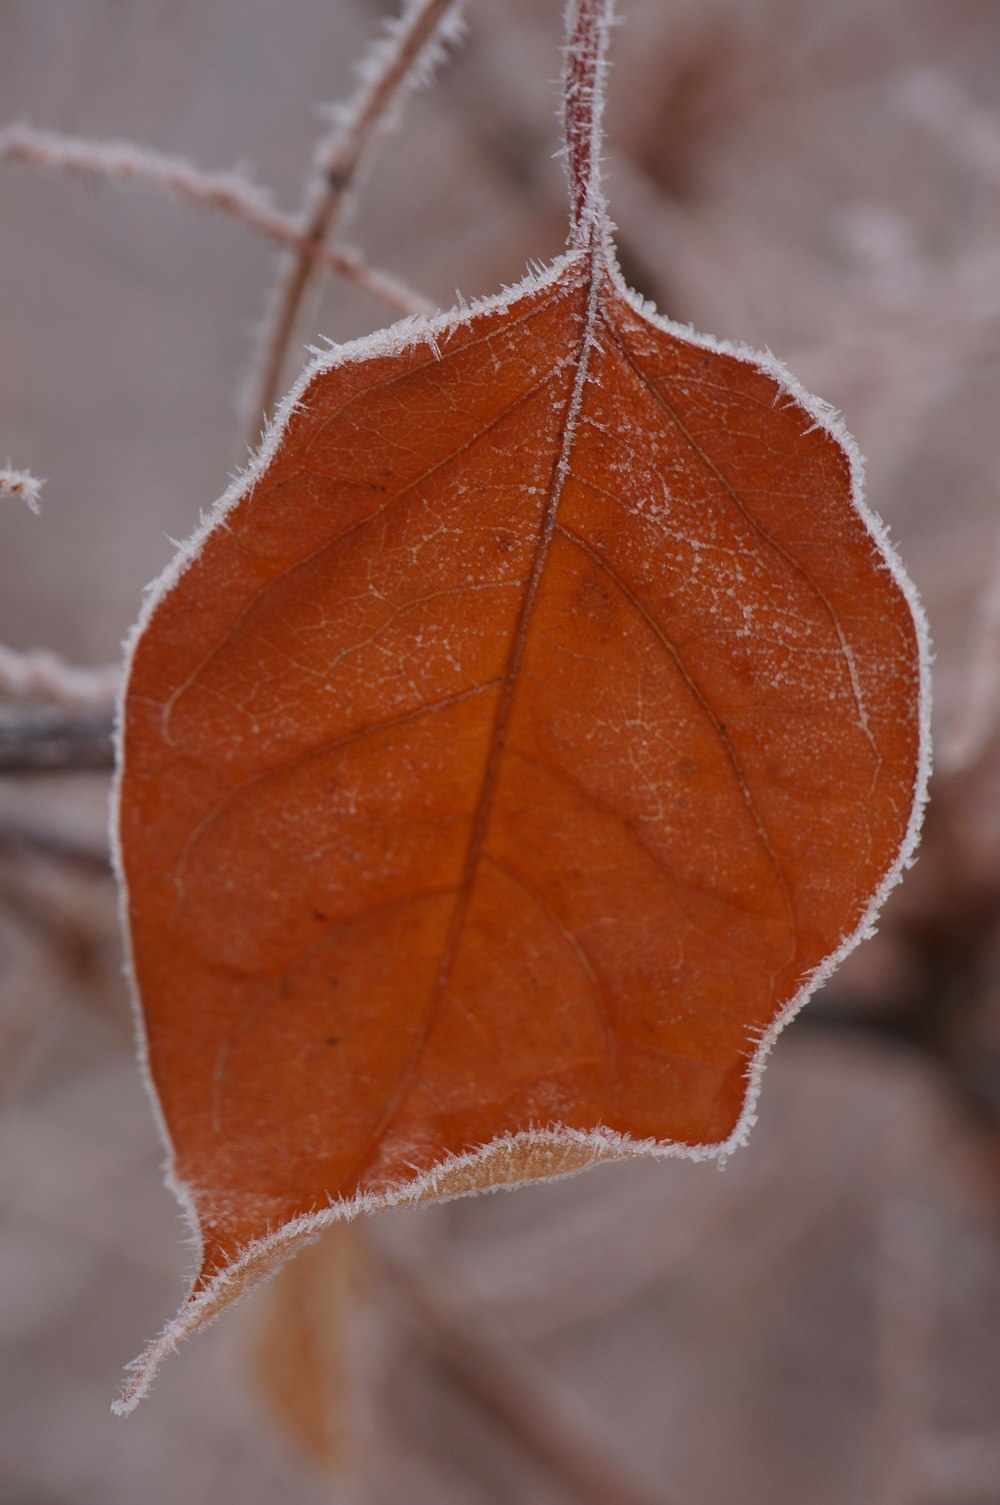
(48,739)
(38,673)
(401,60)
(22,485)
(42,675)
(54,716)
(224,192)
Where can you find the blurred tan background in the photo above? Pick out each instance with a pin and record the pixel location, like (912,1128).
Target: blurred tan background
(819,1323)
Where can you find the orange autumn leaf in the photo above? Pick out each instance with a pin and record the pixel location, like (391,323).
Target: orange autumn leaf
(516,747)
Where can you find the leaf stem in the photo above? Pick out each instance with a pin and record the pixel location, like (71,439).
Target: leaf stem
(588,26)
(395,65)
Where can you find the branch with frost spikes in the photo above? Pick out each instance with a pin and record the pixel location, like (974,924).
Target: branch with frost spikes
(54,716)
(224,192)
(588,26)
(72,729)
(42,675)
(22,485)
(398,63)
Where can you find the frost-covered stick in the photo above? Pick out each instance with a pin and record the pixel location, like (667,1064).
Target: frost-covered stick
(50,739)
(396,64)
(518,1393)
(39,674)
(224,192)
(588,24)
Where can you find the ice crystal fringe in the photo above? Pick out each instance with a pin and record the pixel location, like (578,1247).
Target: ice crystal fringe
(23,486)
(401,61)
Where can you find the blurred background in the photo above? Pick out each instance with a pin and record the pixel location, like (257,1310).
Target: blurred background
(819,1322)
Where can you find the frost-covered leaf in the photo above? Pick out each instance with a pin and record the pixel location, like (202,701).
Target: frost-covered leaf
(511,753)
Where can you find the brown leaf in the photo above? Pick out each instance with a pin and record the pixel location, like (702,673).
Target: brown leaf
(514,750)
(306,1356)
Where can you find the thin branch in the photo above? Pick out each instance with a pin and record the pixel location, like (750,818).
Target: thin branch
(518,1393)
(395,65)
(903,1316)
(50,736)
(42,675)
(223,192)
(47,739)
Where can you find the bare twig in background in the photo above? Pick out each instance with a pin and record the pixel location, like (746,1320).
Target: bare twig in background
(225,192)
(902,1349)
(48,739)
(51,736)
(395,65)
(523,1397)
(54,716)
(43,675)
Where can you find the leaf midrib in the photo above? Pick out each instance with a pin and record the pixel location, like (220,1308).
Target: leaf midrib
(591,289)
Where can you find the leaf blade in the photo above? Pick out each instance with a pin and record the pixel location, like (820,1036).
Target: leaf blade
(507,758)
